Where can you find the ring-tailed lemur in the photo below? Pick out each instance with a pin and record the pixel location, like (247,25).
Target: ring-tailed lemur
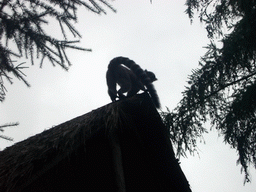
(131,79)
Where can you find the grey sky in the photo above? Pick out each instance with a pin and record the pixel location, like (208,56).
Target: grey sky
(158,37)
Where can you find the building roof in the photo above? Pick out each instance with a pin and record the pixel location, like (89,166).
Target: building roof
(28,161)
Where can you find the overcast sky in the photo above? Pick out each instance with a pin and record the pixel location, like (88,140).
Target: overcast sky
(157,36)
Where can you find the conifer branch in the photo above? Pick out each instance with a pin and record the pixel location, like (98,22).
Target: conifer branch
(21,22)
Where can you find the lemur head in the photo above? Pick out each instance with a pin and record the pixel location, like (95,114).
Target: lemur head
(151,75)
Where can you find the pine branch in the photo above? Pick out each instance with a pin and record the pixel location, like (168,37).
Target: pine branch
(109,6)
(8,125)
(232,112)
(22,24)
(6,138)
(230,84)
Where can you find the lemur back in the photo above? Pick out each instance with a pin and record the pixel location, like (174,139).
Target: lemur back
(131,79)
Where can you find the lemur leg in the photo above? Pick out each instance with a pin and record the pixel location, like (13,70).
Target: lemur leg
(125,86)
(136,88)
(121,91)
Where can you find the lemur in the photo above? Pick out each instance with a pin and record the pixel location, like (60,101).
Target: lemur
(131,79)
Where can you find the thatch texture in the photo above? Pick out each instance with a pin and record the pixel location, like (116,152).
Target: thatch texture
(78,154)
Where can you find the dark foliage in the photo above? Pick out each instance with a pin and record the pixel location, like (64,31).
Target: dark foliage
(223,88)
(22,23)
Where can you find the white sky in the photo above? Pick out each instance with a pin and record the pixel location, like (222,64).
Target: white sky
(158,37)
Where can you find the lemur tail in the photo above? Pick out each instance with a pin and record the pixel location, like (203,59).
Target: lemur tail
(140,73)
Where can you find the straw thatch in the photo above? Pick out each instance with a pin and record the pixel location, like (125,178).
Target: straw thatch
(78,154)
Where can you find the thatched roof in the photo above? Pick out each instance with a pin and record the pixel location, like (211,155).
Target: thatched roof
(27,161)
(20,162)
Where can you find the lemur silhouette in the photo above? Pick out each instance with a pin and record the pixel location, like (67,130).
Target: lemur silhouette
(131,79)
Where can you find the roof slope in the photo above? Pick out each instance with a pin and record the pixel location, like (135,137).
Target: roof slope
(28,159)
(144,142)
